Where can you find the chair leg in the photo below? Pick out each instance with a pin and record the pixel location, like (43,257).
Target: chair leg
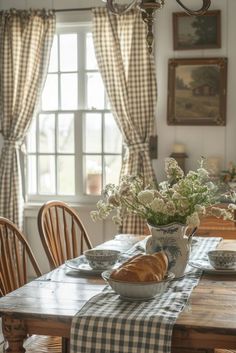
(65,345)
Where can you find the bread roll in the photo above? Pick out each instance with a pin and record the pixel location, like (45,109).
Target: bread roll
(142,268)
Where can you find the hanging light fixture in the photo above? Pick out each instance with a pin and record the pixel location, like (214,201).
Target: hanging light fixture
(148,8)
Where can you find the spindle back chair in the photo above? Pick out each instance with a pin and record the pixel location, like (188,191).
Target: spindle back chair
(62,233)
(16,259)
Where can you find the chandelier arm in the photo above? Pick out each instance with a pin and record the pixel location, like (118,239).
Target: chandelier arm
(148,8)
(205,6)
(118,10)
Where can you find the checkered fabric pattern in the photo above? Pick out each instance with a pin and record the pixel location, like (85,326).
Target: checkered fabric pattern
(128,74)
(25,43)
(108,324)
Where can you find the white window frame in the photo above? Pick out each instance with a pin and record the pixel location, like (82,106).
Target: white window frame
(80,197)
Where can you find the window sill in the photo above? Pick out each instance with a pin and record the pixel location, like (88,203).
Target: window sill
(31,209)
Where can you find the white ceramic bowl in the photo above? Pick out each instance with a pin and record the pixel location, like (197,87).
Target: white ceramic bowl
(138,290)
(101,259)
(222,259)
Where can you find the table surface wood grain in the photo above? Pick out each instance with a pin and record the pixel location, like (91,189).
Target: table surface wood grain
(47,305)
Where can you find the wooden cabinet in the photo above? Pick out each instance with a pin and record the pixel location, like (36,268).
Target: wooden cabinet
(215,227)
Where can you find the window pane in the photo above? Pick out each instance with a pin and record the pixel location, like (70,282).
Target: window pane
(91,62)
(47,175)
(50,93)
(66,175)
(53,64)
(66,133)
(95,91)
(46,133)
(112,135)
(107,102)
(93,135)
(57,144)
(69,91)
(68,52)
(93,166)
(31,137)
(112,169)
(32,175)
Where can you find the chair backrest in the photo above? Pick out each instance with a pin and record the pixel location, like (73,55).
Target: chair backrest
(62,233)
(16,257)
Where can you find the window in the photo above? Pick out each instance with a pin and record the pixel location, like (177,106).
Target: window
(74,145)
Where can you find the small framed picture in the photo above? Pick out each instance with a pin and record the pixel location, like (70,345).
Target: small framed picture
(197,91)
(197,32)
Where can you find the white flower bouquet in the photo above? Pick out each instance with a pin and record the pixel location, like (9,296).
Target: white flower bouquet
(181,199)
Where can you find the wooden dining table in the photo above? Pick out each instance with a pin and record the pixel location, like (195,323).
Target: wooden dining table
(47,305)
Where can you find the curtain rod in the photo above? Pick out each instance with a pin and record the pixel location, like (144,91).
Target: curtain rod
(81,9)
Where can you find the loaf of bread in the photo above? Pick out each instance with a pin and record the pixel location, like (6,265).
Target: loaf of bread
(142,268)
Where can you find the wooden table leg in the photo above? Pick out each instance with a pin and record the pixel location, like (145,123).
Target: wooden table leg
(14,332)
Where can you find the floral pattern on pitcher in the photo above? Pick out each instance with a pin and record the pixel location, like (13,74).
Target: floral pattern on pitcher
(173,240)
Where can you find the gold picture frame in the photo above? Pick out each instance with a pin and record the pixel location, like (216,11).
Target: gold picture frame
(197,32)
(197,91)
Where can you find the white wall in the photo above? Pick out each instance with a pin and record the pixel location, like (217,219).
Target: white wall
(208,141)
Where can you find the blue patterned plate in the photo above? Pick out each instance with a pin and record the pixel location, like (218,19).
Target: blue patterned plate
(81,265)
(207,268)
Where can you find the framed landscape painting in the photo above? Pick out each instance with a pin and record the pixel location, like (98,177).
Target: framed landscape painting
(197,32)
(197,91)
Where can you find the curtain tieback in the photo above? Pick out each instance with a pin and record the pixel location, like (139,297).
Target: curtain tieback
(138,147)
(12,143)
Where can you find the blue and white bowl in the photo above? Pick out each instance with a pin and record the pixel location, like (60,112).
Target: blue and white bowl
(101,259)
(222,259)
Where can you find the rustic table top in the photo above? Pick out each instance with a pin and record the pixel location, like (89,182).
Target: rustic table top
(47,305)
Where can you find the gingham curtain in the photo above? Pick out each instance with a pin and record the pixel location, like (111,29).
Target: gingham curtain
(128,73)
(25,42)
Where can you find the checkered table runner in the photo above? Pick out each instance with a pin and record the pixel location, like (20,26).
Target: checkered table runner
(107,324)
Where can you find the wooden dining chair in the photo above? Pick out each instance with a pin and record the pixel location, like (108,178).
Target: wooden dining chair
(62,233)
(16,260)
